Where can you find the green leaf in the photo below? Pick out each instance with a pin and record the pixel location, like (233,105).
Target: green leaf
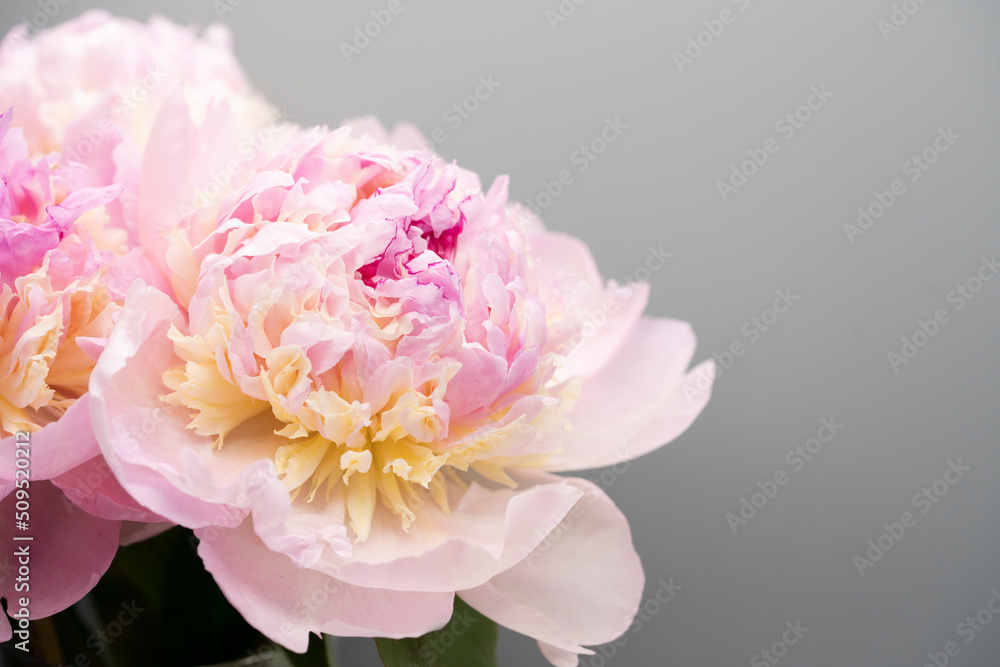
(469,639)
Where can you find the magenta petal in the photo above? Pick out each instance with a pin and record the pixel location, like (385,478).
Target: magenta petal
(286,603)
(22,247)
(81,201)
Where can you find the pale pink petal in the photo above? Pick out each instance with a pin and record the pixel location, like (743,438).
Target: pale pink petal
(486,533)
(143,442)
(520,617)
(166,184)
(640,401)
(565,271)
(557,253)
(561,657)
(58,447)
(584,582)
(93,488)
(286,603)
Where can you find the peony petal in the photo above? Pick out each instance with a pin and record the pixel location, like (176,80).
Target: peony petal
(486,533)
(640,401)
(582,586)
(58,447)
(93,488)
(162,464)
(143,441)
(609,313)
(79,202)
(561,657)
(286,603)
(69,552)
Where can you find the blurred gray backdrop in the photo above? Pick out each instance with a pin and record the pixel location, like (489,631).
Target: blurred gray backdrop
(749,133)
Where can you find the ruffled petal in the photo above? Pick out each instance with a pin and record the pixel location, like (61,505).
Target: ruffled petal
(486,533)
(145,443)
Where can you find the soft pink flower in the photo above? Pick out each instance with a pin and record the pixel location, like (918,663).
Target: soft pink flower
(366,371)
(58,302)
(64,81)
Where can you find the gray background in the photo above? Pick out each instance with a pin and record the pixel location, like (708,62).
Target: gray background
(826,357)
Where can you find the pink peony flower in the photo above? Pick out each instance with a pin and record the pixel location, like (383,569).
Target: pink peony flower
(365,371)
(57,306)
(99,75)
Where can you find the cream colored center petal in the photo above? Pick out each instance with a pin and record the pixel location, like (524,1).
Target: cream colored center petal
(401,455)
(43,370)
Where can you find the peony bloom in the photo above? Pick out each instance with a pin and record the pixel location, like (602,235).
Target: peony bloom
(365,371)
(101,75)
(58,301)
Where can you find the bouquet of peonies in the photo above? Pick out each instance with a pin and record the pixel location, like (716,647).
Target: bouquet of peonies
(328,360)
